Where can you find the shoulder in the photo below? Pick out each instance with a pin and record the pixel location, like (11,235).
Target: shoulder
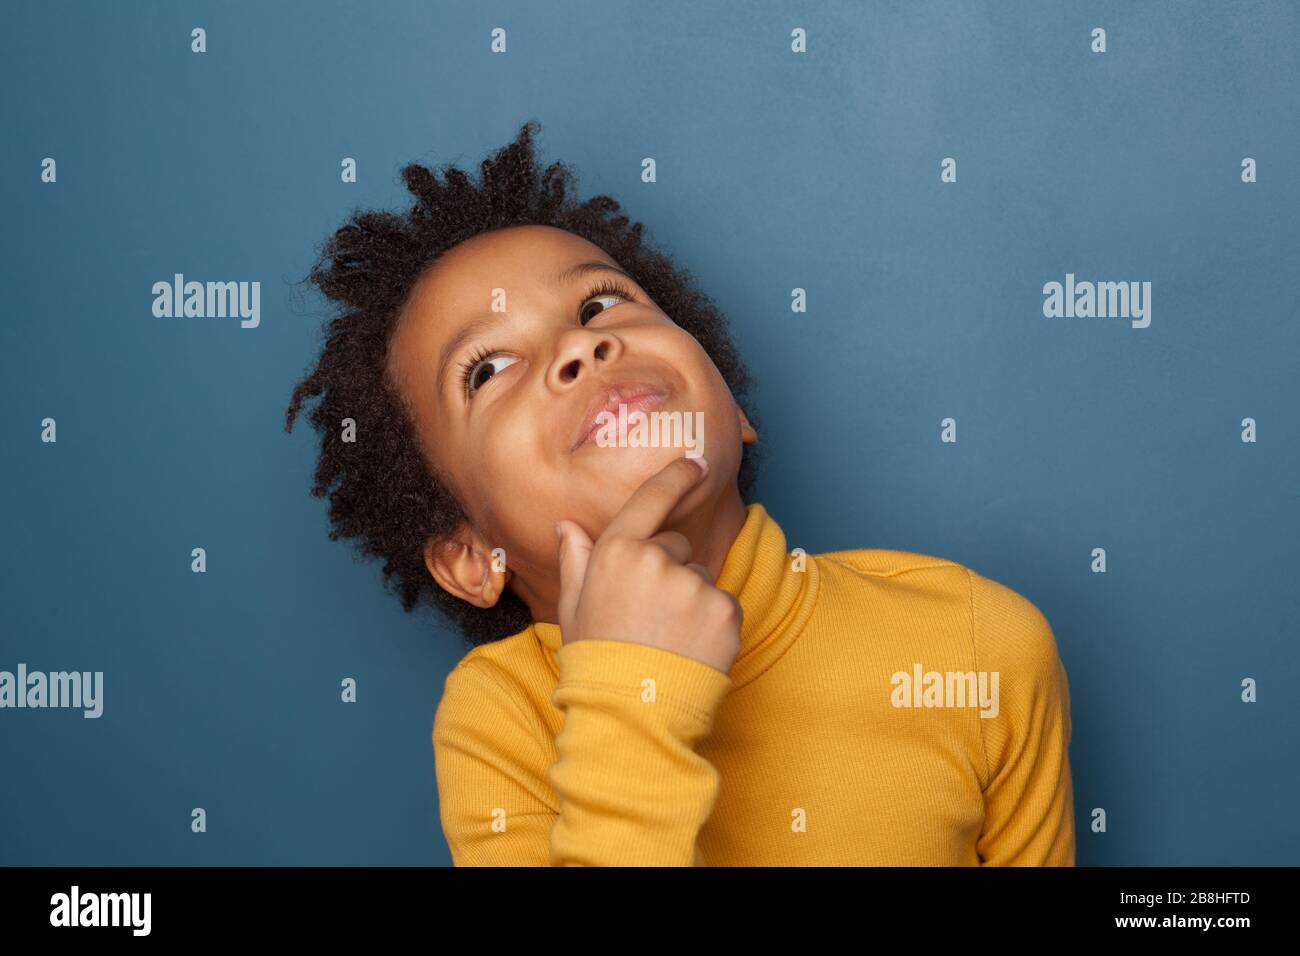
(501,663)
(884,562)
(483,689)
(1008,627)
(906,576)
(1002,622)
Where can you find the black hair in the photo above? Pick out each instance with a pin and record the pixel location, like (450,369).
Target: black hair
(382,491)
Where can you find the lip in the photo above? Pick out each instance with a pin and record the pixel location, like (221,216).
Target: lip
(637,396)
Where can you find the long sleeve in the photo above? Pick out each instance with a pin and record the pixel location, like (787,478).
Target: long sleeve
(1029,799)
(626,787)
(632,789)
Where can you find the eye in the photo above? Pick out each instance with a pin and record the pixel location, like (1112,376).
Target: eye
(609,288)
(475,371)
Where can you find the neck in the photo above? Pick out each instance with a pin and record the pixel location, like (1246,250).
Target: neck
(711,530)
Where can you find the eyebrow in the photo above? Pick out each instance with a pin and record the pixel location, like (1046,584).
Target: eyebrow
(582,268)
(471,330)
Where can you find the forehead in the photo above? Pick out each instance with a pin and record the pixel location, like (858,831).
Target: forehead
(466,274)
(457,287)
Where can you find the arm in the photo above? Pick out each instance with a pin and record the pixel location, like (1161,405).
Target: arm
(1028,795)
(626,787)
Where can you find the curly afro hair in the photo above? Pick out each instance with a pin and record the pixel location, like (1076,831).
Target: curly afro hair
(382,490)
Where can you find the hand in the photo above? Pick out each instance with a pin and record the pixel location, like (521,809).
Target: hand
(636,585)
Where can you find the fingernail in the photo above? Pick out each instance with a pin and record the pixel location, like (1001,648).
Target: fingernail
(703,463)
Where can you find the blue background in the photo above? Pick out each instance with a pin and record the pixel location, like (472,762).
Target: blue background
(775,171)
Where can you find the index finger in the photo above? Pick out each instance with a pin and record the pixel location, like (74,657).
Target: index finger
(645,511)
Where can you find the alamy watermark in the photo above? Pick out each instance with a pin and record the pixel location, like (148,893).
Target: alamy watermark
(56,689)
(656,429)
(1098,300)
(923,688)
(209,300)
(102,909)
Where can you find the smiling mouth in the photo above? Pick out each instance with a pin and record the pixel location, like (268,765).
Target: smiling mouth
(637,396)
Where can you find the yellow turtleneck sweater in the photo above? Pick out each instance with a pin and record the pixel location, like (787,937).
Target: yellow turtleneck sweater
(830,743)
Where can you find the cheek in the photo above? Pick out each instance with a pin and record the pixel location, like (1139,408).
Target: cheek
(711,396)
(703,374)
(508,450)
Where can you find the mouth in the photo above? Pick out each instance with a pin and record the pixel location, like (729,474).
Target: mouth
(637,396)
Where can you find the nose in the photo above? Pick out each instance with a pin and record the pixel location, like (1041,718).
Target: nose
(579,353)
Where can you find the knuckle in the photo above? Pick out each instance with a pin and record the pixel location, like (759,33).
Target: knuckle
(653,559)
(616,550)
(727,607)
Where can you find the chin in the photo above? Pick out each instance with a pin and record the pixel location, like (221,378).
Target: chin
(634,463)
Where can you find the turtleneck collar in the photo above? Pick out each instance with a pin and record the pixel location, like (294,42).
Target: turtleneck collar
(775,598)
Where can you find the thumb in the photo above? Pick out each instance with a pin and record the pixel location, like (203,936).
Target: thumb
(575,551)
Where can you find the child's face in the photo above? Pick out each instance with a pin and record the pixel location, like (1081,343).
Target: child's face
(506,448)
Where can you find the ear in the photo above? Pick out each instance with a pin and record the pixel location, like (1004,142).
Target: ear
(464,566)
(747,433)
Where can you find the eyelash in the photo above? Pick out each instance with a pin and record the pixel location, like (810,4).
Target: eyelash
(603,287)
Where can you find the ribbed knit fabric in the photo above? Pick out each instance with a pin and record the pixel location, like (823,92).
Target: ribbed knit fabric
(604,752)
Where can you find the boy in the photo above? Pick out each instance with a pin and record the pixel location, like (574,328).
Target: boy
(655,677)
